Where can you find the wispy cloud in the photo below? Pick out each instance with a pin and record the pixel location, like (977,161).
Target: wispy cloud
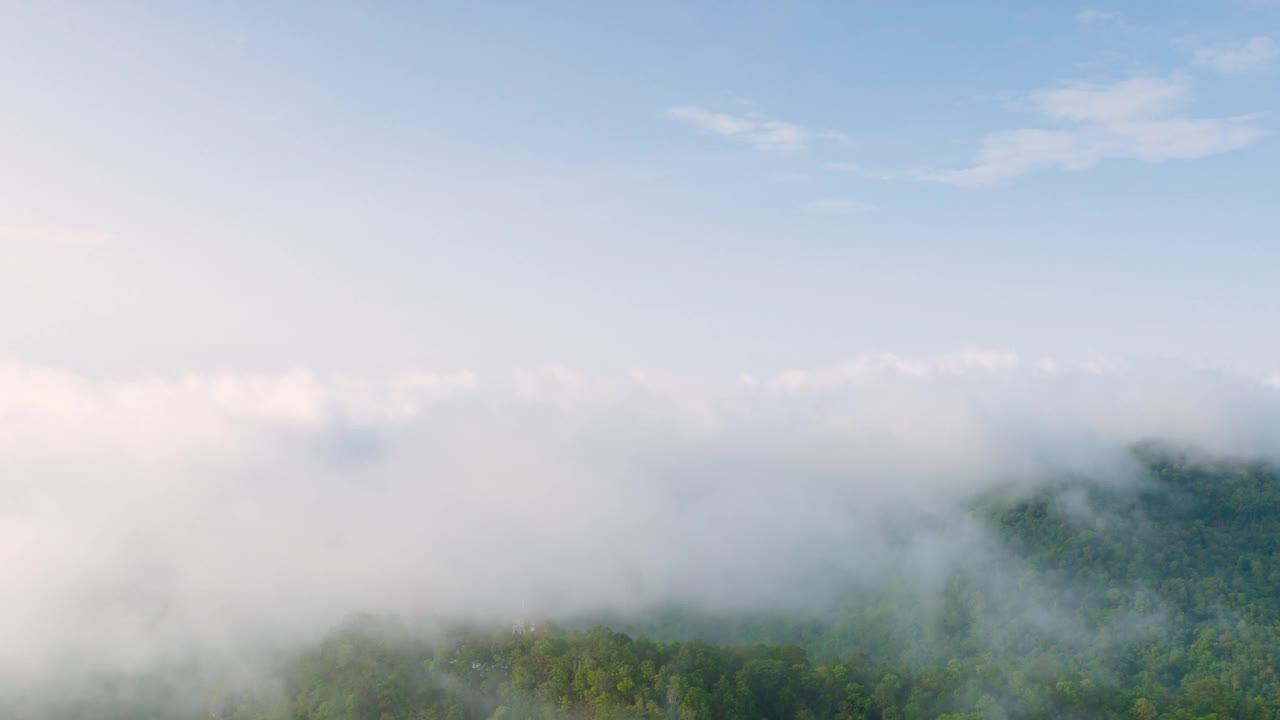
(1090,16)
(842,166)
(1239,56)
(753,129)
(835,206)
(1135,119)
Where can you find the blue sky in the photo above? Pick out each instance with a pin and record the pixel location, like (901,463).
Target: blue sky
(203,187)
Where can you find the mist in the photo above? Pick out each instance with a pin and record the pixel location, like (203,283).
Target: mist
(148,518)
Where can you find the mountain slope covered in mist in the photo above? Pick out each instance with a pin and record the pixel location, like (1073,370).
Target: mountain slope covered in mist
(1155,601)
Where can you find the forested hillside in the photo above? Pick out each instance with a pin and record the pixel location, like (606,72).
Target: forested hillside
(1156,600)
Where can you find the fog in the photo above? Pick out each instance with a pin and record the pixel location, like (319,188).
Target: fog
(146,517)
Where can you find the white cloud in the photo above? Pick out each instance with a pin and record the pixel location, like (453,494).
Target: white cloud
(842,167)
(1236,57)
(1134,119)
(753,129)
(837,206)
(216,508)
(1126,100)
(1089,16)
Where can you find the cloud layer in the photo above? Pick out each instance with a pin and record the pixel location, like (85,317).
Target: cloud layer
(145,515)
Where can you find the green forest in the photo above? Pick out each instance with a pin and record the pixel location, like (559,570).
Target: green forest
(1146,602)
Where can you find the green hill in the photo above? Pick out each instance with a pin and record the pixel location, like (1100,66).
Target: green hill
(1088,600)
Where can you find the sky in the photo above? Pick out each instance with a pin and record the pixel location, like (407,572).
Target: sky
(719,188)
(308,308)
